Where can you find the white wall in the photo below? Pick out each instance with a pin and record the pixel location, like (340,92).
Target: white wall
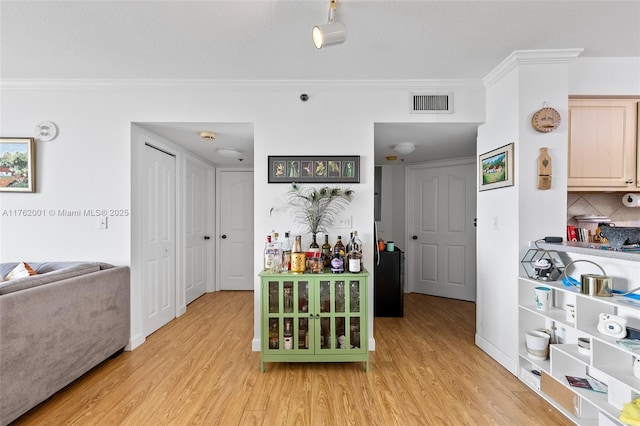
(605,76)
(516,89)
(89,164)
(391,227)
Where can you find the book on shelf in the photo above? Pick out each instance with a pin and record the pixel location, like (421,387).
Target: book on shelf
(587,383)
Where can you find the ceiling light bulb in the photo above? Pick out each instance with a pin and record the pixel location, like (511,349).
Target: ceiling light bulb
(328,34)
(404,148)
(229,152)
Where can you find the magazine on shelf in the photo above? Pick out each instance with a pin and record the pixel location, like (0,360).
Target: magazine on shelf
(587,383)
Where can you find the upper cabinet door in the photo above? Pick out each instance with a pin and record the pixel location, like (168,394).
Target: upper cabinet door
(603,144)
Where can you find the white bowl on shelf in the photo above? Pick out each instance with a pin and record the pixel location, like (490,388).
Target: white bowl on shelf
(537,343)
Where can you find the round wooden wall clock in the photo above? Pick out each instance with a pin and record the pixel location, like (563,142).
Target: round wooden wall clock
(545,120)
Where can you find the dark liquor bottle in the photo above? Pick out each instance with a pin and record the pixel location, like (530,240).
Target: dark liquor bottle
(314,243)
(337,261)
(326,252)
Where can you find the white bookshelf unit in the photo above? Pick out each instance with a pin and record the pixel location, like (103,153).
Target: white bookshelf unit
(607,361)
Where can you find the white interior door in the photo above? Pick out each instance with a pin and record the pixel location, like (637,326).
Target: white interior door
(195,229)
(440,222)
(158,236)
(235,230)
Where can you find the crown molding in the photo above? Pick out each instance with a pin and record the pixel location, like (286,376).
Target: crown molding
(528,57)
(240,85)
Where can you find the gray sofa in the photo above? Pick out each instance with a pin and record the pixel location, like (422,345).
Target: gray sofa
(56,326)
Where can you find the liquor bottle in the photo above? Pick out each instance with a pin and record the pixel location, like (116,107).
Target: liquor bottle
(354,257)
(268,255)
(273,336)
(337,261)
(348,246)
(314,243)
(326,252)
(288,335)
(277,252)
(286,253)
(298,258)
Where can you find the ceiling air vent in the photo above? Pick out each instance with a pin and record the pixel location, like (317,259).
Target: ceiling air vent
(431,102)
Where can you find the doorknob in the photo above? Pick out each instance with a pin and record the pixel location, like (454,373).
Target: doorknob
(415,237)
(206,237)
(224,237)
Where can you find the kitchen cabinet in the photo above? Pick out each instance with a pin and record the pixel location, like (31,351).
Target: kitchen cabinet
(603,145)
(314,318)
(606,360)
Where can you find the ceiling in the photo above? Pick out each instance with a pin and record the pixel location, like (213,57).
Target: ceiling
(271,40)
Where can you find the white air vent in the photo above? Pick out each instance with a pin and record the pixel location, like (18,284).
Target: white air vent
(431,103)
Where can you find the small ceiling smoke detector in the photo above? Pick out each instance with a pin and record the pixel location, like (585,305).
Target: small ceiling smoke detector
(207,136)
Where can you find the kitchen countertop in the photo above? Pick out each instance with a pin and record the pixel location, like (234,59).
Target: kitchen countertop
(591,249)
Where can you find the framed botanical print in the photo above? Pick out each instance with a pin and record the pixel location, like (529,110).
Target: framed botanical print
(314,169)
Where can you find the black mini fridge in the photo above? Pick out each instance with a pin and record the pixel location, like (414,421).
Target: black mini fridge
(388,286)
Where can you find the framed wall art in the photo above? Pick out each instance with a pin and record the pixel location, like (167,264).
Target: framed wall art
(496,168)
(17,165)
(314,169)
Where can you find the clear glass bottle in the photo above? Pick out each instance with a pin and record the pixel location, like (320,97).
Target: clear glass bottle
(326,252)
(268,256)
(355,254)
(337,260)
(287,334)
(286,252)
(276,248)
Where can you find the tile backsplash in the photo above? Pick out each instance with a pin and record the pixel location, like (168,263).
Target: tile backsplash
(604,204)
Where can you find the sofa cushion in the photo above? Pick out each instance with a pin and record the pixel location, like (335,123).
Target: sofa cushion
(21,270)
(69,270)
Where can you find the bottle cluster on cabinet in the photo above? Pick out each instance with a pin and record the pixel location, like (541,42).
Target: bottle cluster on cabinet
(586,335)
(289,256)
(314,318)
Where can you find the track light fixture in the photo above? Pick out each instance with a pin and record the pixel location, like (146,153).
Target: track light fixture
(330,33)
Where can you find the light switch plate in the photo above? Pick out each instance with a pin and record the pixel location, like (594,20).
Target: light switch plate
(345,222)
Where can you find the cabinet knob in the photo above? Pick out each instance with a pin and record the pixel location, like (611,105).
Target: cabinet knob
(415,237)
(629,181)
(224,236)
(206,237)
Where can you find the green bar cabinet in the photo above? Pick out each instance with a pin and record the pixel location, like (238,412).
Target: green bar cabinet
(314,317)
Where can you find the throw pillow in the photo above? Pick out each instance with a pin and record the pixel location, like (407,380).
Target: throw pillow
(21,270)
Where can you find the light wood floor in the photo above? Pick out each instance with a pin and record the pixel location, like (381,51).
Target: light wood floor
(199,369)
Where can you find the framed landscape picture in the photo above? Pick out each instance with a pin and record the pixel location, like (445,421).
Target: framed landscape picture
(496,168)
(314,169)
(17,165)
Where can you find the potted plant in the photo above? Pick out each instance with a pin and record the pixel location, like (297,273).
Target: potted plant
(316,208)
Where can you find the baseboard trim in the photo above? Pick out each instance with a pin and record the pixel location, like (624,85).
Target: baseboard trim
(134,342)
(495,353)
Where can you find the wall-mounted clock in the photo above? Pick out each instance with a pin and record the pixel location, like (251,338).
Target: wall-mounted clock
(545,120)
